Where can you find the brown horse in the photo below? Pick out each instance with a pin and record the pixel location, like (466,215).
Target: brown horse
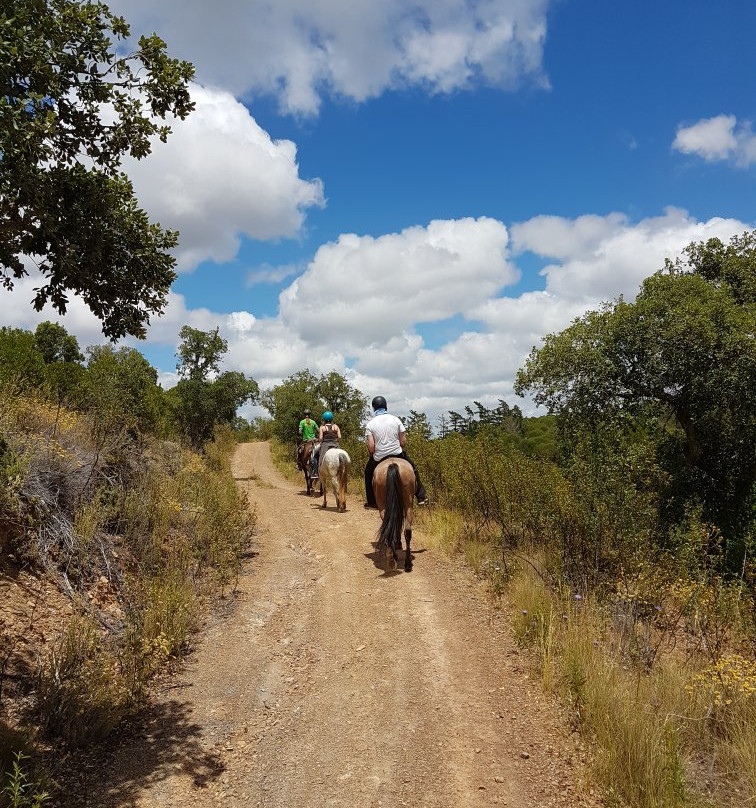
(394,487)
(304,455)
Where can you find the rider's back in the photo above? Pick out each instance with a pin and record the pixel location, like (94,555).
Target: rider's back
(386,429)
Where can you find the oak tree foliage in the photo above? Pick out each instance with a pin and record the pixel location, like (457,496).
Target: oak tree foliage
(677,365)
(204,397)
(72,105)
(56,344)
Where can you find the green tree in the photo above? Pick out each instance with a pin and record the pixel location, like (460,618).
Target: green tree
(199,353)
(287,401)
(304,390)
(418,425)
(510,418)
(540,437)
(198,403)
(680,362)
(457,422)
(21,364)
(347,403)
(56,344)
(71,107)
(60,352)
(121,388)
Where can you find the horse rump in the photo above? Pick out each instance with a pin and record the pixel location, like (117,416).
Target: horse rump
(389,535)
(334,471)
(394,487)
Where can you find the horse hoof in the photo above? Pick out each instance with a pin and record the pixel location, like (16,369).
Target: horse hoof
(390,560)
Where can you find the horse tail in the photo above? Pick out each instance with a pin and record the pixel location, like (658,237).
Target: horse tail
(393,514)
(343,474)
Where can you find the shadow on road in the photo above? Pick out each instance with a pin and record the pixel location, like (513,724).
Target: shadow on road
(379,561)
(160,742)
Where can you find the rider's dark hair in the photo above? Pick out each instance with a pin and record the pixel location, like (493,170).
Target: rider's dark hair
(379,403)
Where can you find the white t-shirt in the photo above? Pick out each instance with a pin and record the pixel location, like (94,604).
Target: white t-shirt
(385,429)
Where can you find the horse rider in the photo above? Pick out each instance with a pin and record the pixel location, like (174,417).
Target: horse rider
(329,436)
(308,431)
(385,437)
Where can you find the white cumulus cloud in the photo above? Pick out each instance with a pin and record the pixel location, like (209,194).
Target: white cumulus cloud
(298,50)
(219,177)
(718,138)
(362,290)
(600,258)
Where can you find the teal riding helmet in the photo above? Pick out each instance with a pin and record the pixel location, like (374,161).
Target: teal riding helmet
(328,415)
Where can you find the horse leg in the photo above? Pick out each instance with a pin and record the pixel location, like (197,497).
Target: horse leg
(338,493)
(343,488)
(407,552)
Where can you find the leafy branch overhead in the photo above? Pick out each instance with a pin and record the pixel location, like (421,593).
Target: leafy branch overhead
(72,106)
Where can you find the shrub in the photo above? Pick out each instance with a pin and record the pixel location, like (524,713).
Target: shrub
(662,723)
(82,693)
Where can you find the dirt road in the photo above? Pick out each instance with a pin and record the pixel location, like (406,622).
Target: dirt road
(331,683)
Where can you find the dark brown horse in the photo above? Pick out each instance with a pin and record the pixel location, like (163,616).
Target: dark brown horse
(304,455)
(394,487)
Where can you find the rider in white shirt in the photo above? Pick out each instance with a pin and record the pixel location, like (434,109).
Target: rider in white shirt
(385,437)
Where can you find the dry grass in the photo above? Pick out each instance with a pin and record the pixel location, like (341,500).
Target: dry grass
(444,529)
(82,694)
(672,726)
(679,733)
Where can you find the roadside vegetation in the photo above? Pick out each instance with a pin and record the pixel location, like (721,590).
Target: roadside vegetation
(622,537)
(120,523)
(119,518)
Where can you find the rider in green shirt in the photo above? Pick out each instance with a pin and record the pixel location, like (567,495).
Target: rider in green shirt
(308,432)
(308,429)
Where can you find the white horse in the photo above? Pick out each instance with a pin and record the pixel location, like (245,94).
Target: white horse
(334,469)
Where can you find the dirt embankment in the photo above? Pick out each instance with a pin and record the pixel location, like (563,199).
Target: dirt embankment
(331,683)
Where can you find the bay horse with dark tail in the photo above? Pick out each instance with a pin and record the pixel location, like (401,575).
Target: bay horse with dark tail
(394,487)
(304,454)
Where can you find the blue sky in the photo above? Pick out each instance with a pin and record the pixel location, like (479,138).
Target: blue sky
(415,199)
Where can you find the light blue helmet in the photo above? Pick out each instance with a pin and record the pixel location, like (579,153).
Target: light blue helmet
(328,415)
